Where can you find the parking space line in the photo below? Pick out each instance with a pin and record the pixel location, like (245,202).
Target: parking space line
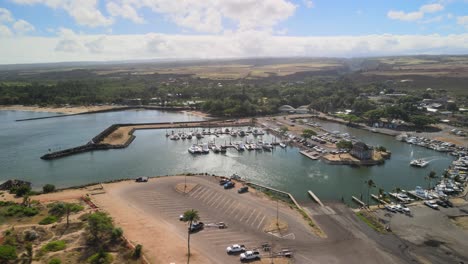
(199,193)
(215,200)
(227,209)
(221,202)
(246,212)
(261,222)
(197,190)
(247,222)
(235,209)
(205,194)
(211,197)
(212,201)
(255,220)
(228,202)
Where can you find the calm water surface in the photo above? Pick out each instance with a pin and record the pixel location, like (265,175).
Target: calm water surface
(152,154)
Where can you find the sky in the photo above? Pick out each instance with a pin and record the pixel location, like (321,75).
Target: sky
(38,31)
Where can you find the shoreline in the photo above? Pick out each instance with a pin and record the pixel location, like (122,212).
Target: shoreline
(58,110)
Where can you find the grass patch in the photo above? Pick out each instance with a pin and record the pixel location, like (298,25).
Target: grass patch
(371,221)
(54,246)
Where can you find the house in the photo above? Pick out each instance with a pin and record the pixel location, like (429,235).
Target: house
(361,151)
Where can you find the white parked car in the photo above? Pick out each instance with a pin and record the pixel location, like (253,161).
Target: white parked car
(431,204)
(249,255)
(236,248)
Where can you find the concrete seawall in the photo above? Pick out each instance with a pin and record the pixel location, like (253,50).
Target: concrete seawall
(96,142)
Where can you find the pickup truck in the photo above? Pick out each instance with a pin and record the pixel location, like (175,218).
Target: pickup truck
(249,255)
(196,227)
(236,248)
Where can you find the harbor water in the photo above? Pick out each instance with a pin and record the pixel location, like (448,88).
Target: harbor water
(152,153)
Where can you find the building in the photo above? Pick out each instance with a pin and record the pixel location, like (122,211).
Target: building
(303,109)
(287,108)
(361,151)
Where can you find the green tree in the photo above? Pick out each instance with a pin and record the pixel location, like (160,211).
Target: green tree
(7,253)
(344,144)
(22,190)
(190,216)
(452,106)
(137,251)
(307,133)
(422,120)
(48,188)
(374,115)
(100,227)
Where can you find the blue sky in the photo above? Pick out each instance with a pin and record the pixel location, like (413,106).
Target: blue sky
(64,30)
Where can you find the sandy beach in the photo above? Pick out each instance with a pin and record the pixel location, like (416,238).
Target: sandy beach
(62,110)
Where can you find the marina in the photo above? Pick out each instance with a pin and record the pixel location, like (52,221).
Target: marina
(152,153)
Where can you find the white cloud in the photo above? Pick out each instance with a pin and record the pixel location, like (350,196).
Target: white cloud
(125,11)
(85,12)
(21,26)
(5,15)
(431,8)
(463,20)
(70,46)
(207,16)
(416,15)
(400,15)
(5,31)
(308,3)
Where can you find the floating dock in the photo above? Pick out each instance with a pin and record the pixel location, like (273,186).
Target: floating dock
(310,154)
(413,193)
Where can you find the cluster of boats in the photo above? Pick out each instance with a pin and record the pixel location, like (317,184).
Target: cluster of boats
(433,144)
(205,148)
(216,132)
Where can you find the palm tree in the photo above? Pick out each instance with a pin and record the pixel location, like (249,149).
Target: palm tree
(190,216)
(370,184)
(430,177)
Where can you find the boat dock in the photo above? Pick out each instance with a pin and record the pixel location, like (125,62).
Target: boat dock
(310,154)
(358,201)
(398,198)
(378,199)
(413,193)
(315,198)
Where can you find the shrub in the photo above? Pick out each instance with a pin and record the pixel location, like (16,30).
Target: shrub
(116,233)
(55,246)
(100,258)
(55,261)
(21,190)
(7,253)
(18,210)
(48,188)
(30,211)
(48,220)
(137,252)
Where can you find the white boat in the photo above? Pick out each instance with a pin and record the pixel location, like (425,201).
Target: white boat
(174,137)
(267,146)
(194,149)
(282,145)
(419,163)
(205,148)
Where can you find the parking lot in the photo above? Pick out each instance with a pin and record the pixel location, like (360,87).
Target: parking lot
(246,216)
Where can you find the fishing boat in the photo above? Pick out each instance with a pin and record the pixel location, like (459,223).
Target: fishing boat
(420,163)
